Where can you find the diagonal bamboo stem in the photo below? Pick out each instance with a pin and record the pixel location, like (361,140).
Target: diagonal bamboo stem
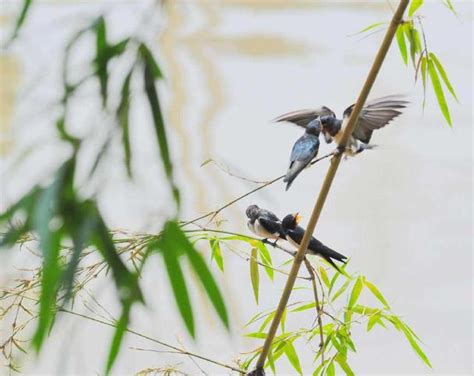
(397,17)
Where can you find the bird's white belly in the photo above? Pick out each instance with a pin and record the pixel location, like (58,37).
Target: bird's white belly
(259,230)
(292,242)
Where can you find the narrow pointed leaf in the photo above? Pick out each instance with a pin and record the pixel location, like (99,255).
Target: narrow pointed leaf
(370,27)
(415,4)
(123,118)
(150,74)
(217,253)
(20,20)
(375,291)
(176,277)
(344,366)
(202,271)
(120,329)
(443,74)
(355,293)
(402,43)
(324,276)
(254,273)
(292,356)
(341,290)
(439,92)
(266,259)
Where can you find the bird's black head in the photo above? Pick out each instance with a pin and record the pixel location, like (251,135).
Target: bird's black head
(252,211)
(330,126)
(314,127)
(290,221)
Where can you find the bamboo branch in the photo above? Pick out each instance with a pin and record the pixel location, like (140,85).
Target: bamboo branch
(397,17)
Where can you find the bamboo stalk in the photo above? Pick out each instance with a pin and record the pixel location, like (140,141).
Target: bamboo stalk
(397,17)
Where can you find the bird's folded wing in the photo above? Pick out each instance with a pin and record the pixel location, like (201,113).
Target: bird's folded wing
(303,117)
(272,227)
(376,114)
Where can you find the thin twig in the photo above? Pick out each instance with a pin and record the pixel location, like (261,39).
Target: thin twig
(177,349)
(214,213)
(319,311)
(348,129)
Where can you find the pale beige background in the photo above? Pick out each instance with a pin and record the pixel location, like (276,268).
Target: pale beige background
(402,213)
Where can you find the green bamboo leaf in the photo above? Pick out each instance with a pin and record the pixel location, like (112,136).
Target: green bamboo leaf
(120,329)
(443,74)
(101,58)
(344,366)
(46,208)
(147,56)
(267,321)
(271,361)
(330,371)
(439,92)
(217,253)
(20,20)
(355,293)
(83,228)
(266,258)
(317,371)
(150,73)
(283,321)
(415,346)
(254,274)
(414,5)
(414,40)
(449,5)
(304,307)
(292,356)
(341,349)
(125,281)
(374,319)
(370,27)
(375,291)
(123,119)
(202,271)
(423,73)
(364,310)
(341,290)
(324,276)
(176,277)
(257,335)
(402,43)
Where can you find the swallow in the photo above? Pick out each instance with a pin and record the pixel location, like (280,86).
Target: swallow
(294,235)
(375,114)
(264,223)
(304,151)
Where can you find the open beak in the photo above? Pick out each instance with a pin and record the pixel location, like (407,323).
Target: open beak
(297,218)
(327,136)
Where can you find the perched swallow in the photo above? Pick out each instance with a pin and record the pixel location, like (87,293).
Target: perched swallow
(294,235)
(374,115)
(304,150)
(264,223)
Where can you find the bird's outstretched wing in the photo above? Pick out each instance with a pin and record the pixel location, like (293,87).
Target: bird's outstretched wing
(303,117)
(375,115)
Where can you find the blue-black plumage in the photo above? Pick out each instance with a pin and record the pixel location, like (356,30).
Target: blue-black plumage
(375,114)
(294,235)
(304,151)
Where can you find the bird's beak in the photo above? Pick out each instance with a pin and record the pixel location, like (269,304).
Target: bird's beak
(327,136)
(297,218)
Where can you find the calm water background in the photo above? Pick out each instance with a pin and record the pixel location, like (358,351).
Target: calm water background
(402,213)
